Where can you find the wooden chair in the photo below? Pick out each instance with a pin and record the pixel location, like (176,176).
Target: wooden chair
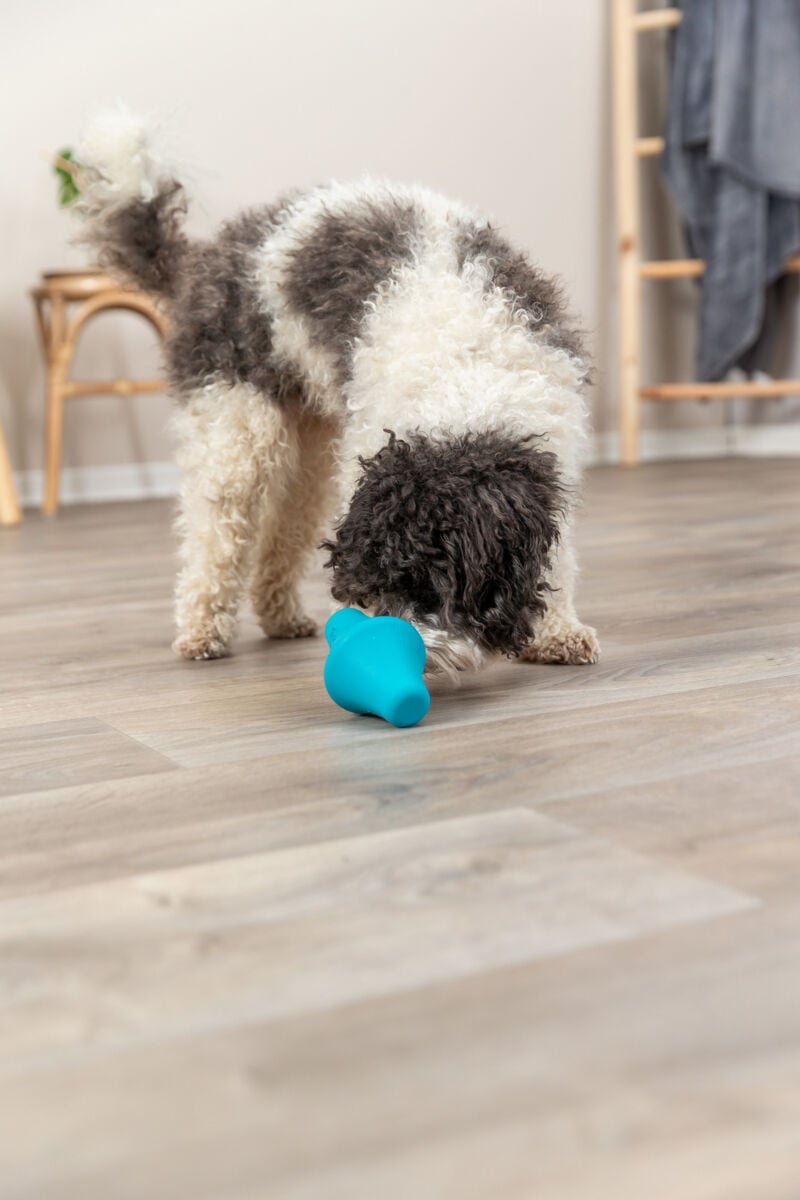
(628,25)
(9,507)
(65,301)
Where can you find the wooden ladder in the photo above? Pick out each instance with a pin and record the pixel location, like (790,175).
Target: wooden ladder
(629,149)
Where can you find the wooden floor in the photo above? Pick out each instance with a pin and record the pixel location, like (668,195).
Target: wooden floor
(546,945)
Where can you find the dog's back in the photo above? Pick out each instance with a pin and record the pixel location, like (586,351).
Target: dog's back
(286,297)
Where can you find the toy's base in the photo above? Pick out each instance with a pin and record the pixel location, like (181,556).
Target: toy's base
(407,710)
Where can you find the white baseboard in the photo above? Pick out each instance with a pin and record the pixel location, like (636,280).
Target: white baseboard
(92,485)
(151,481)
(723,441)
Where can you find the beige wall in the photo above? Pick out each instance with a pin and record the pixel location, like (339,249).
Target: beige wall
(500,102)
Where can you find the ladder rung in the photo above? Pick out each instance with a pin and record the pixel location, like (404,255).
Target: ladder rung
(720,391)
(691,268)
(649,147)
(672,268)
(114,387)
(657,18)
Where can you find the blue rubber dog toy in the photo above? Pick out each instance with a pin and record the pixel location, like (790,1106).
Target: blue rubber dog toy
(375,666)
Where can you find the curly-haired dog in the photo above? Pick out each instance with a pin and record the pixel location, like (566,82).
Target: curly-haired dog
(373,351)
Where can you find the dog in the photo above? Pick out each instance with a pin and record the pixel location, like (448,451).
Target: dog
(367,354)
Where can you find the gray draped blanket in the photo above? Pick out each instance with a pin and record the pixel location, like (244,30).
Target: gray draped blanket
(732,160)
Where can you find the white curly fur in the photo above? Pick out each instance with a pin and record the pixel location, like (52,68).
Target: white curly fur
(293,341)
(120,160)
(255,485)
(448,653)
(443,351)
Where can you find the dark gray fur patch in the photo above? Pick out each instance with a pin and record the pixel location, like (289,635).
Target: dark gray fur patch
(341,265)
(538,294)
(144,241)
(220,330)
(461,528)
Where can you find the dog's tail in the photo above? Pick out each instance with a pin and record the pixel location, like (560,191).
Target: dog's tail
(132,206)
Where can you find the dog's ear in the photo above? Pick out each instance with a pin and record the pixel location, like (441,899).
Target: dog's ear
(459,528)
(493,579)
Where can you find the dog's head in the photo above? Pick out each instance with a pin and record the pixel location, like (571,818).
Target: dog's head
(453,534)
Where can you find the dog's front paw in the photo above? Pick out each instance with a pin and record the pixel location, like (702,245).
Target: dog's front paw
(576,644)
(295,627)
(199,646)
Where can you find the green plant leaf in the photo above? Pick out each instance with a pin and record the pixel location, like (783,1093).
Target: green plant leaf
(68,190)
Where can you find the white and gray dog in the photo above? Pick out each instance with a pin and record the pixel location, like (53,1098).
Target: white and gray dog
(373,353)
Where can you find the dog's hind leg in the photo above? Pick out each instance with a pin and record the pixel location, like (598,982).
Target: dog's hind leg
(290,526)
(234,454)
(559,636)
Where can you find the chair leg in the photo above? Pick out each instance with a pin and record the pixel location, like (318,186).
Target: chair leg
(53,438)
(59,357)
(9,507)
